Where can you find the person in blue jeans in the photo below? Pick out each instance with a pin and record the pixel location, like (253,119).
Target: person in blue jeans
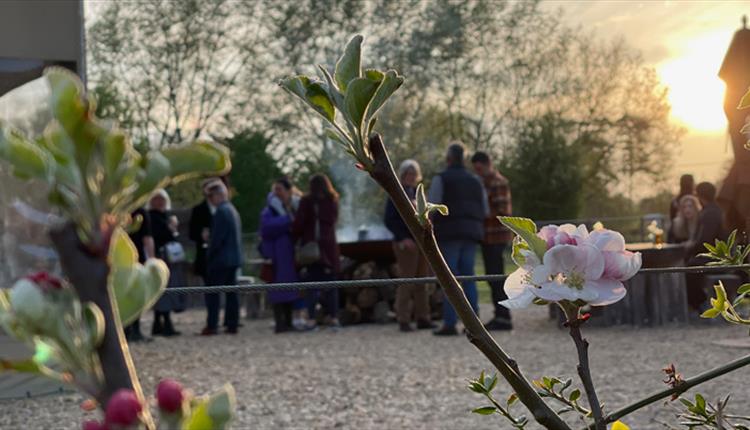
(460,232)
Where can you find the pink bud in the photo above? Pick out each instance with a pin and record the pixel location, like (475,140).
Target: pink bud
(123,408)
(94,425)
(169,395)
(360,166)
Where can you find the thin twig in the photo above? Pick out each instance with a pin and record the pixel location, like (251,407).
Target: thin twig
(584,369)
(382,172)
(677,390)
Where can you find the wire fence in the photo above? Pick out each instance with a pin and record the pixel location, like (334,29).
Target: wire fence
(304,286)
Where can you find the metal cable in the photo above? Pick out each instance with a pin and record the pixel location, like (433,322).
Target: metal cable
(303,286)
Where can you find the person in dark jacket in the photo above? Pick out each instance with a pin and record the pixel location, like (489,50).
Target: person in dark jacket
(223,260)
(320,207)
(144,243)
(710,228)
(164,229)
(409,259)
(277,245)
(200,227)
(460,232)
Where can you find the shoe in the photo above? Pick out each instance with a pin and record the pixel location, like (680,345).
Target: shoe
(208,332)
(282,329)
(233,330)
(171,333)
(446,331)
(425,324)
(138,337)
(405,327)
(157,329)
(500,324)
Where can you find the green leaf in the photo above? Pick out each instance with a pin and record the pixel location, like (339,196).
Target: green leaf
(700,403)
(389,84)
(526,230)
(686,402)
(197,159)
(574,395)
(318,97)
(744,101)
(357,98)
(476,387)
(492,383)
(744,289)
(348,66)
(511,399)
(485,410)
(136,286)
(199,418)
(23,366)
(26,158)
(221,407)
(710,313)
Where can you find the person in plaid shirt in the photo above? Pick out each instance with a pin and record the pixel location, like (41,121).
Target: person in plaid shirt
(496,235)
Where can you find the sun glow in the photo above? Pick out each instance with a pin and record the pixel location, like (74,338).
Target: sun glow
(695,91)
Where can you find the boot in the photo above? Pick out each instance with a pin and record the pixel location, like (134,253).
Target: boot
(168,327)
(157,328)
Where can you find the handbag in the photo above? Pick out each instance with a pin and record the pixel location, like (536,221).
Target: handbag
(173,252)
(309,253)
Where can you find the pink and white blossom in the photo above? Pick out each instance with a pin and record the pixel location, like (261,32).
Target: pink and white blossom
(578,266)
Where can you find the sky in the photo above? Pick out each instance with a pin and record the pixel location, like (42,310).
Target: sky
(685,41)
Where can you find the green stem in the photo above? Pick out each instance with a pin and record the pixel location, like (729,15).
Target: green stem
(382,172)
(677,390)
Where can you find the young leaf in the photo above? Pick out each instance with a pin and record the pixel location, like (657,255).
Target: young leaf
(485,410)
(526,230)
(744,289)
(197,159)
(744,101)
(619,425)
(348,66)
(390,83)
(357,98)
(574,395)
(27,159)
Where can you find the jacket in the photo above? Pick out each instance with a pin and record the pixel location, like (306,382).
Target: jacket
(225,244)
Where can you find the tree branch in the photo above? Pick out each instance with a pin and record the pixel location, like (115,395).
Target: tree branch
(677,390)
(584,369)
(88,274)
(383,173)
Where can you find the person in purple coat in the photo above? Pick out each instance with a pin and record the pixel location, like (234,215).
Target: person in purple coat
(277,245)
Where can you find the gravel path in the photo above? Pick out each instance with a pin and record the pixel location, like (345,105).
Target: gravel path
(373,377)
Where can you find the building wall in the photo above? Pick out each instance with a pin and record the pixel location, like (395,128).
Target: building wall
(42,29)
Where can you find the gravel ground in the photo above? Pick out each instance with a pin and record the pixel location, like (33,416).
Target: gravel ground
(373,377)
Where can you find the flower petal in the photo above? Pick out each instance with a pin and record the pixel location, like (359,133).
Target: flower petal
(621,265)
(608,291)
(607,240)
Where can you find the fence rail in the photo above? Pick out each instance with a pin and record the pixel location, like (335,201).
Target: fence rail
(302,286)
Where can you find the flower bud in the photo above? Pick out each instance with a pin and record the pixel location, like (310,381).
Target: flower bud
(45,281)
(28,301)
(169,395)
(123,408)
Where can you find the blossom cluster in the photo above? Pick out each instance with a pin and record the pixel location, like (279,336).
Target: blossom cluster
(577,265)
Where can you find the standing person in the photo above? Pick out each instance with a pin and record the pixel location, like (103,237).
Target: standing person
(496,235)
(200,227)
(144,243)
(316,223)
(277,245)
(223,260)
(710,228)
(164,228)
(409,260)
(687,188)
(462,229)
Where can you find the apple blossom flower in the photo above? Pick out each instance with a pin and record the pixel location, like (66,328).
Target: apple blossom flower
(578,266)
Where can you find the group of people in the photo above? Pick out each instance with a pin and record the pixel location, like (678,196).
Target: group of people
(696,218)
(216,229)
(299,240)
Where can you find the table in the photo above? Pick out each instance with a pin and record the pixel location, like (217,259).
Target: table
(653,298)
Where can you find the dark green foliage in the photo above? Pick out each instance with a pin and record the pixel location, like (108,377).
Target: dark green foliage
(544,171)
(253,172)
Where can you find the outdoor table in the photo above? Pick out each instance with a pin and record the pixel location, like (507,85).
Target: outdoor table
(653,298)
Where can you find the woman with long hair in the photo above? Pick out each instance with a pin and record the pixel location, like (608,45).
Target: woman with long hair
(315,227)
(685,224)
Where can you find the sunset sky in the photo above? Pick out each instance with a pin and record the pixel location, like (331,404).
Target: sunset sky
(685,41)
